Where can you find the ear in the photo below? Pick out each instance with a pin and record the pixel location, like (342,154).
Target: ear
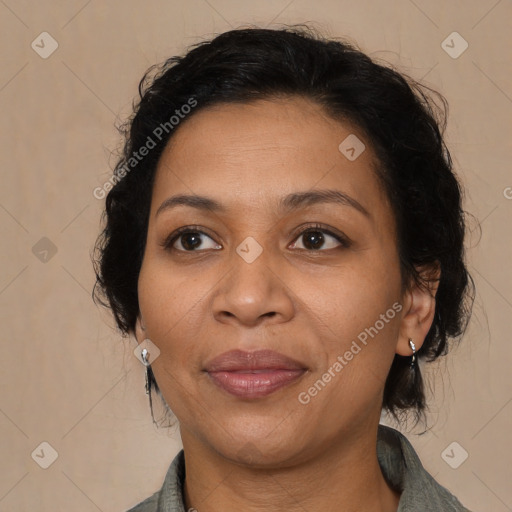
(140,331)
(419,308)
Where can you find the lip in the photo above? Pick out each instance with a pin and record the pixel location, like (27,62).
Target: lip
(253,374)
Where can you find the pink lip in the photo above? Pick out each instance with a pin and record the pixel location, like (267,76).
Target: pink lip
(253,374)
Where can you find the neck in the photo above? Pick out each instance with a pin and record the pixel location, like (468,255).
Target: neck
(345,475)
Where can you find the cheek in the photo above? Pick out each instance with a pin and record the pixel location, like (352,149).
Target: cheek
(168,289)
(356,317)
(352,297)
(171,306)
(358,353)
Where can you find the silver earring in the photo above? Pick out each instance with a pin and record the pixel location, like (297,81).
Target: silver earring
(145,359)
(413,357)
(144,353)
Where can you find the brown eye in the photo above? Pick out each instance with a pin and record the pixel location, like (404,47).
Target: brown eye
(190,240)
(315,239)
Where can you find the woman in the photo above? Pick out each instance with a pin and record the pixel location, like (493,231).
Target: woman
(285,233)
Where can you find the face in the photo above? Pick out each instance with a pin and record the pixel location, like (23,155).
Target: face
(268,267)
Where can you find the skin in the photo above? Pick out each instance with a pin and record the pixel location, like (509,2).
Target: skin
(274,453)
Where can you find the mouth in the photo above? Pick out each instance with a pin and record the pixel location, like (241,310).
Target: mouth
(253,374)
(254,383)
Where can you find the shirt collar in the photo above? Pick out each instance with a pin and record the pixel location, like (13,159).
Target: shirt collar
(400,466)
(403,470)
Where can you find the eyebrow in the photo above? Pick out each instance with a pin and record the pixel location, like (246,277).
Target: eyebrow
(289,203)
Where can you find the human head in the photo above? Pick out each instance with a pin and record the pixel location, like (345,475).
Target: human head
(402,125)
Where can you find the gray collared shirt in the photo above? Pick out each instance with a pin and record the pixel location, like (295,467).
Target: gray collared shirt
(400,465)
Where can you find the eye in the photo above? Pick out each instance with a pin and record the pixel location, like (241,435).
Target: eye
(188,239)
(314,239)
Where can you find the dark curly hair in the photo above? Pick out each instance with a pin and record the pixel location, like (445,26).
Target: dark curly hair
(402,122)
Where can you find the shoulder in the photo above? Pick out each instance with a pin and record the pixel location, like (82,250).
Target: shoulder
(148,505)
(169,498)
(403,469)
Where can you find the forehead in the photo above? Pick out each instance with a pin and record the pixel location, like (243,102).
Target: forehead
(255,153)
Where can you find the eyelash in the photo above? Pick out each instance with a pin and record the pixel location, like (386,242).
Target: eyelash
(169,241)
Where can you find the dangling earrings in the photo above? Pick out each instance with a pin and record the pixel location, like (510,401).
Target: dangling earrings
(145,359)
(144,354)
(413,357)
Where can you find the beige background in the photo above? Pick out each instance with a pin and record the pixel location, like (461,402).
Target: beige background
(69,379)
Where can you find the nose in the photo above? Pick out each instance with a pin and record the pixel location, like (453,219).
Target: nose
(252,293)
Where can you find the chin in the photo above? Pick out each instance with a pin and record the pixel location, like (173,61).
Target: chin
(264,450)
